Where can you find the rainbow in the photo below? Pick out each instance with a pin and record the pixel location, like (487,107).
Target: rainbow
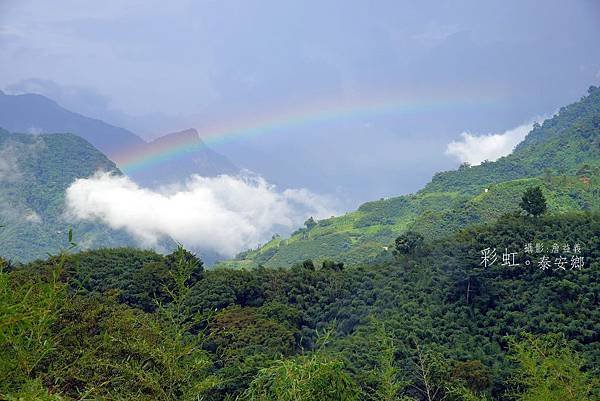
(318,112)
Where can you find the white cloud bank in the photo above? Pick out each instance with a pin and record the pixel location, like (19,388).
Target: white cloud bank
(474,149)
(225,214)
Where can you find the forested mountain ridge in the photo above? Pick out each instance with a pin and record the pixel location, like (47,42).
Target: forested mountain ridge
(562,155)
(35,171)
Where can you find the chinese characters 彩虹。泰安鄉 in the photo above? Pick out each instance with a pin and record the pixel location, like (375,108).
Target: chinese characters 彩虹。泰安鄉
(554,258)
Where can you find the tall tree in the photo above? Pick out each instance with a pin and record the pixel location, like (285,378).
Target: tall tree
(533,201)
(408,243)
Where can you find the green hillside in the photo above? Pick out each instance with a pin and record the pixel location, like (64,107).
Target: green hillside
(562,155)
(35,171)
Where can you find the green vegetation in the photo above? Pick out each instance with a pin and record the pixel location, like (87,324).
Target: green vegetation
(428,325)
(35,171)
(305,378)
(550,371)
(561,156)
(90,347)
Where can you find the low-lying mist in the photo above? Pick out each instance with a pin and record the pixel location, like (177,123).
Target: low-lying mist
(225,214)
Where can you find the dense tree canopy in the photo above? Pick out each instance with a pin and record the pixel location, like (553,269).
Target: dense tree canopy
(432,325)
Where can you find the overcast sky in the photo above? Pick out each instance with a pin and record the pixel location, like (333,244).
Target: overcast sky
(465,68)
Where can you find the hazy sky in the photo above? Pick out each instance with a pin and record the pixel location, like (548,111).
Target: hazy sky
(366,94)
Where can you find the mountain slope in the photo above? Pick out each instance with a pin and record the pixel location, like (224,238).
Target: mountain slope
(562,156)
(35,171)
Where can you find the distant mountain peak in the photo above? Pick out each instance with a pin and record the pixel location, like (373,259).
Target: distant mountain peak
(189,135)
(192,157)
